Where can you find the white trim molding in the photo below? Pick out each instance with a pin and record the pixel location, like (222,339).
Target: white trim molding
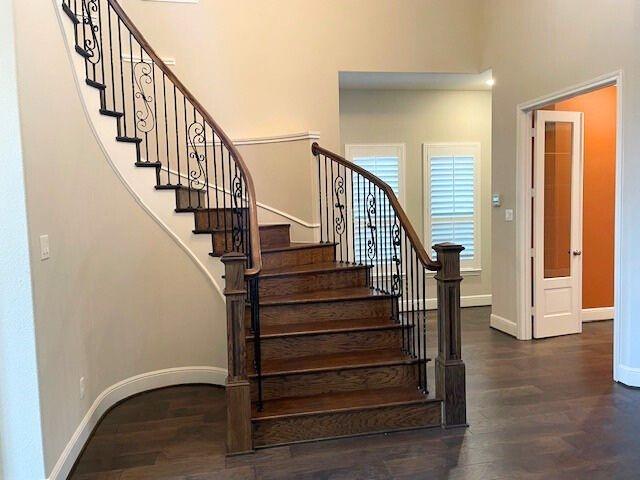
(286,137)
(465,301)
(137,59)
(597,314)
(125,389)
(628,375)
(504,325)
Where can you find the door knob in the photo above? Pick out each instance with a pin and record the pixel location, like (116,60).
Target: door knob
(577,252)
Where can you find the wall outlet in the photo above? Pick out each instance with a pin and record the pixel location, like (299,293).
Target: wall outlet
(82,387)
(45,252)
(508,215)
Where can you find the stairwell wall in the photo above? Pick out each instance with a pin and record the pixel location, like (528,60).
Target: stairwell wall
(118,298)
(268,68)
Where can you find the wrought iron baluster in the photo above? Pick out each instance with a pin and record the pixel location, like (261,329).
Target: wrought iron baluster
(339,221)
(120,59)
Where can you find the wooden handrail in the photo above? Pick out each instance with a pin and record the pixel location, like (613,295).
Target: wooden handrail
(256,254)
(422,254)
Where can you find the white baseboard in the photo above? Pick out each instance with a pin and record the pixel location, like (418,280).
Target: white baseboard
(629,376)
(124,389)
(597,314)
(504,325)
(465,301)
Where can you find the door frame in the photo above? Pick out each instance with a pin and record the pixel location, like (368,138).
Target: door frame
(524,112)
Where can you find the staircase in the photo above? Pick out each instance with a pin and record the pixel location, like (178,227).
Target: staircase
(325,339)
(332,357)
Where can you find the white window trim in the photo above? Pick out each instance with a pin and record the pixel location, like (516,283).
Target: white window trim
(468,267)
(349,151)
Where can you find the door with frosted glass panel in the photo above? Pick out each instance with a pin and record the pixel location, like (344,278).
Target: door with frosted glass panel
(557,223)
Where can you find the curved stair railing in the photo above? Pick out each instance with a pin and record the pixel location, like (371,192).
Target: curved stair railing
(171,130)
(362,216)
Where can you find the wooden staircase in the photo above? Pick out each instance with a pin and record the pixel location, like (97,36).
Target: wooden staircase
(323,341)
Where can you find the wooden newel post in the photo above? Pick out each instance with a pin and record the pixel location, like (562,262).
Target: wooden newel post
(450,370)
(238,388)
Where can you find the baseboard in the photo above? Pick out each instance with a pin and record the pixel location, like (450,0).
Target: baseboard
(122,390)
(465,301)
(504,325)
(597,314)
(629,376)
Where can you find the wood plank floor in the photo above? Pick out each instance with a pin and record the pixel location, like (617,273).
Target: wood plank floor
(537,410)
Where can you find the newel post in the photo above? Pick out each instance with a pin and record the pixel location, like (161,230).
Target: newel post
(450,370)
(238,389)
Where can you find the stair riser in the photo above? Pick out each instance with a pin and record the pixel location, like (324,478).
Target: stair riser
(310,282)
(288,258)
(223,242)
(219,218)
(341,424)
(293,347)
(301,385)
(275,236)
(190,199)
(323,311)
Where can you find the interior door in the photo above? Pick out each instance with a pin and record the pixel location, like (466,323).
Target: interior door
(557,223)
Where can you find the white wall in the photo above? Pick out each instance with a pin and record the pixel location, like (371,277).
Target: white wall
(118,298)
(271,67)
(535,49)
(414,117)
(20,432)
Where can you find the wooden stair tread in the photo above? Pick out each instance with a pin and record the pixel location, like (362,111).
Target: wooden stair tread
(338,402)
(336,295)
(330,326)
(295,246)
(333,361)
(309,268)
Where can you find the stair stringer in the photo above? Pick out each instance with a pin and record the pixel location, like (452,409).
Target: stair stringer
(140,182)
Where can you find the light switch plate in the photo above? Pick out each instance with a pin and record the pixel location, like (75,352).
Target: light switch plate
(45,252)
(508,215)
(496,200)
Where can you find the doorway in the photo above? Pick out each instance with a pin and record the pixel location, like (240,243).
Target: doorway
(599,300)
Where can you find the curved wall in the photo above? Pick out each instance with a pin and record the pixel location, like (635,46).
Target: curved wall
(119,303)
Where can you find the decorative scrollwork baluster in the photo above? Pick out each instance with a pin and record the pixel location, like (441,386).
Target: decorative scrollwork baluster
(372,243)
(339,190)
(238,225)
(91,45)
(145,120)
(197,173)
(396,283)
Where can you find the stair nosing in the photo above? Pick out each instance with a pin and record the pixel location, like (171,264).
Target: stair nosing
(297,246)
(315,268)
(403,360)
(379,296)
(310,333)
(426,399)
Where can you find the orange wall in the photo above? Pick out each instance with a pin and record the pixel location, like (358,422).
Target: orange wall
(599,108)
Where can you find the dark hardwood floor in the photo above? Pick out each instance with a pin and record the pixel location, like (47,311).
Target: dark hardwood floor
(537,410)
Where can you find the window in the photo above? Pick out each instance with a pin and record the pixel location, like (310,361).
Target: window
(385,162)
(452,186)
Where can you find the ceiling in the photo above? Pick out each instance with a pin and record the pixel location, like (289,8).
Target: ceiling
(414,81)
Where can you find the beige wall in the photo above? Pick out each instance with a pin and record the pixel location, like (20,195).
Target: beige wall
(118,297)
(271,67)
(415,117)
(535,49)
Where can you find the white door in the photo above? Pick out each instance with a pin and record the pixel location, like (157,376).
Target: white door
(557,229)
